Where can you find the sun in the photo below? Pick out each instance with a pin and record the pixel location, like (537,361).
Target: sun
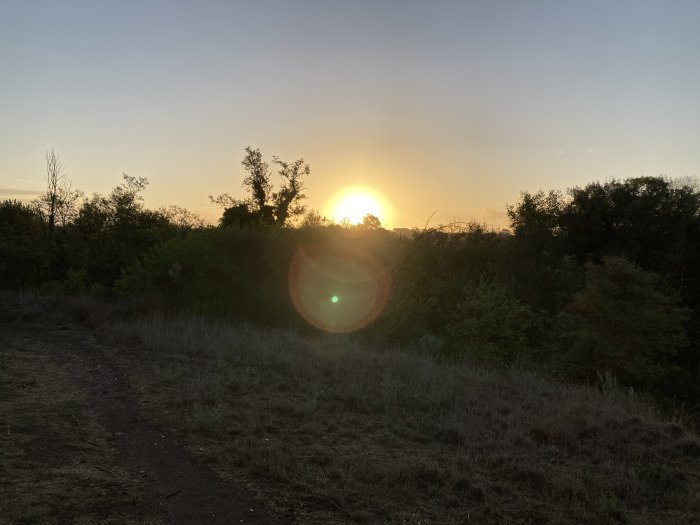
(353,204)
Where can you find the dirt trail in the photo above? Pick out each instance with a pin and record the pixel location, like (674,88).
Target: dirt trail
(175,487)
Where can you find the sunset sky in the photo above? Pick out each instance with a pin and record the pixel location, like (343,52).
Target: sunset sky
(448,106)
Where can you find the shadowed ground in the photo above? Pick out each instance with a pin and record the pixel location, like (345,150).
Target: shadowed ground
(76,448)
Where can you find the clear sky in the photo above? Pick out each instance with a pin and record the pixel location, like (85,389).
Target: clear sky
(435,105)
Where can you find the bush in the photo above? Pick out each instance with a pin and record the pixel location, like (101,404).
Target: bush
(624,323)
(23,246)
(491,325)
(238,272)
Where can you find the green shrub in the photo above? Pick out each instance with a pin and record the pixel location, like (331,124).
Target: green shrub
(624,323)
(491,325)
(240,272)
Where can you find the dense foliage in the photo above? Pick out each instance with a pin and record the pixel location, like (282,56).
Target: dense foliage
(602,280)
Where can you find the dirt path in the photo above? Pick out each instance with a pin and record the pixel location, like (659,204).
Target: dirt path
(155,478)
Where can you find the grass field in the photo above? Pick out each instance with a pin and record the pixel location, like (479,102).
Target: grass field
(329,431)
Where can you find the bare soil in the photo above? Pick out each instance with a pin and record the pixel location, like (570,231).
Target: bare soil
(76,448)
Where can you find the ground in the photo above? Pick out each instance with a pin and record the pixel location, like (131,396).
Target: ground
(75,446)
(141,418)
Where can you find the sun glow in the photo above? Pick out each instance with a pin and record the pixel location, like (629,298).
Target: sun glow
(353,204)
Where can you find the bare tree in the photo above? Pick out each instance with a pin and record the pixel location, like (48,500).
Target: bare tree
(58,204)
(54,178)
(66,203)
(182,217)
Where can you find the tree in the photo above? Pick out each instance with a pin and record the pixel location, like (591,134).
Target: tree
(113,232)
(54,178)
(652,221)
(623,322)
(265,206)
(182,218)
(238,215)
(535,219)
(22,246)
(536,250)
(287,199)
(313,219)
(649,220)
(58,206)
(371,222)
(490,324)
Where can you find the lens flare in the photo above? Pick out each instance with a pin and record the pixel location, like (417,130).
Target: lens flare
(337,290)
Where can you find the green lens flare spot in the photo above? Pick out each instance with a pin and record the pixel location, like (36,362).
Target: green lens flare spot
(335,299)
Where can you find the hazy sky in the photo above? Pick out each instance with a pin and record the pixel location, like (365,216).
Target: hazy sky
(456,106)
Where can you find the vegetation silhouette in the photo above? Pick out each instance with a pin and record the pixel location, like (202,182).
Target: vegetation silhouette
(601,279)
(264,206)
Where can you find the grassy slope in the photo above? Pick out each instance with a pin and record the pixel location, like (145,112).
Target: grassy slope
(332,432)
(337,431)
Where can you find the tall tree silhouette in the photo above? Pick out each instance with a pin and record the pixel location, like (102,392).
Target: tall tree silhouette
(265,206)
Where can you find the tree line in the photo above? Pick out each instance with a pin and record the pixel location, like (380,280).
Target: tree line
(596,281)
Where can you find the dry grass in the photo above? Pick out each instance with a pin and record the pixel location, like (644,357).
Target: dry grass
(329,430)
(61,309)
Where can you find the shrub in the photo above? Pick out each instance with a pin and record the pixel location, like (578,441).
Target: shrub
(624,323)
(491,325)
(240,272)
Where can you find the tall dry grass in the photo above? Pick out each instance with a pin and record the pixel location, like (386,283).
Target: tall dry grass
(330,429)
